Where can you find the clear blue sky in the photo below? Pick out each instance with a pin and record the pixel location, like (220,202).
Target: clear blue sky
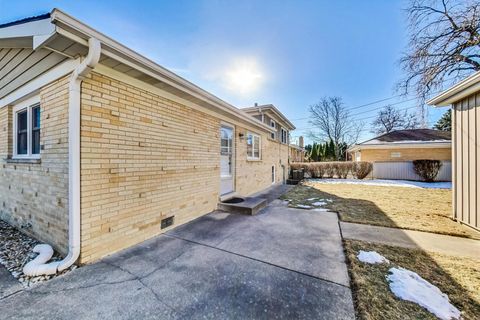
(296,51)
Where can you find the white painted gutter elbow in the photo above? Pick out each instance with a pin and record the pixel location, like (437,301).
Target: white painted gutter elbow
(38,266)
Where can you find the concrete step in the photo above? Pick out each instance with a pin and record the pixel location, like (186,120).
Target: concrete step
(248,206)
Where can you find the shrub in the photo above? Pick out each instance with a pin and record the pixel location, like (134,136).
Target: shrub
(342,169)
(427,169)
(361,169)
(318,170)
(329,169)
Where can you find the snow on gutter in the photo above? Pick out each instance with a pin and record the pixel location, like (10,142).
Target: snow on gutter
(38,266)
(79,32)
(459,91)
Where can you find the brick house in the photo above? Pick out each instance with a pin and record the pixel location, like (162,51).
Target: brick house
(100,145)
(392,153)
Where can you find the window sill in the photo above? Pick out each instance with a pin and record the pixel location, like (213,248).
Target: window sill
(24,160)
(253,160)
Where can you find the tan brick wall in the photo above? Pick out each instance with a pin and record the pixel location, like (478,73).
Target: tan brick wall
(145,158)
(406,154)
(255,175)
(35,196)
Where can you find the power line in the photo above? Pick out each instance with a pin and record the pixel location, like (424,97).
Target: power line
(382,100)
(360,119)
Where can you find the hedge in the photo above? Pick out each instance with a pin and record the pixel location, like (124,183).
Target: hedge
(334,169)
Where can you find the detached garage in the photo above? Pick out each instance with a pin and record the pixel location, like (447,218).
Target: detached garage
(465,99)
(393,153)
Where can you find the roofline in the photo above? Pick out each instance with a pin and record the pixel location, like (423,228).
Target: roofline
(25,20)
(295,146)
(416,145)
(275,110)
(387,133)
(457,92)
(78,31)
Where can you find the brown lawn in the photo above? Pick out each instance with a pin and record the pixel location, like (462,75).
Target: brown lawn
(458,277)
(399,207)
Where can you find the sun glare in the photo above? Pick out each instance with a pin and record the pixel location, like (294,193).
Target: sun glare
(244,76)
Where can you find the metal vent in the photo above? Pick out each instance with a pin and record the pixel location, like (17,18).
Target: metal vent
(167,222)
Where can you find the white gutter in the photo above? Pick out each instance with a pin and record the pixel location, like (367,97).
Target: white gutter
(34,268)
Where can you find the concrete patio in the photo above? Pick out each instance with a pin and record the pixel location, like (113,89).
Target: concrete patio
(282,263)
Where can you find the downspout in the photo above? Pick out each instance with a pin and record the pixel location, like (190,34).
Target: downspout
(38,266)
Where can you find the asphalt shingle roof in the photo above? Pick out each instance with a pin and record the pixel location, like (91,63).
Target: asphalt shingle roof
(25,20)
(414,135)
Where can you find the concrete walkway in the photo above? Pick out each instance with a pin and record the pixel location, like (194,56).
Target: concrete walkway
(282,263)
(8,284)
(426,241)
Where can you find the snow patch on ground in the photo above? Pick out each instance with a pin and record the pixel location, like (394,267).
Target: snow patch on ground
(319,203)
(371,257)
(387,183)
(303,206)
(408,285)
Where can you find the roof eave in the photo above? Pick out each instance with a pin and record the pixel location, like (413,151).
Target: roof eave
(427,145)
(459,91)
(76,30)
(275,110)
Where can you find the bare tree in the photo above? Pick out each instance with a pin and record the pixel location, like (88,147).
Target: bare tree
(389,119)
(444,46)
(333,122)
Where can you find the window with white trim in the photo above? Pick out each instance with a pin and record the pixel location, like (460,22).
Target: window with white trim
(284,136)
(273,125)
(26,131)
(253,146)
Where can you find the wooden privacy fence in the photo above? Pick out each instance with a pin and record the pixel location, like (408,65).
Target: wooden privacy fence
(403,170)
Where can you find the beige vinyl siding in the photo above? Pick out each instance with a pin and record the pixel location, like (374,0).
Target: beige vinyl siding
(466,137)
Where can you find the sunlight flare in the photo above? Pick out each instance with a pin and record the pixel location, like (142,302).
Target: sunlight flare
(244,76)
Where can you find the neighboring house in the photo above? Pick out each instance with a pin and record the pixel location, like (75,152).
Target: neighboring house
(392,153)
(102,148)
(465,100)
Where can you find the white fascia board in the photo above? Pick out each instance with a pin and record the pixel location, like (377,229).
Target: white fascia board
(430,145)
(117,51)
(269,107)
(28,29)
(459,91)
(32,87)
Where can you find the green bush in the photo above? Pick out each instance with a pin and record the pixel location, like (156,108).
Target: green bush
(361,169)
(427,169)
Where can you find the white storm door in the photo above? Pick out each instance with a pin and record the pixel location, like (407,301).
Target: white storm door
(226,160)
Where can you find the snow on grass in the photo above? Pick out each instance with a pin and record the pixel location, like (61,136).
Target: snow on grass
(319,203)
(303,206)
(387,183)
(408,285)
(371,257)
